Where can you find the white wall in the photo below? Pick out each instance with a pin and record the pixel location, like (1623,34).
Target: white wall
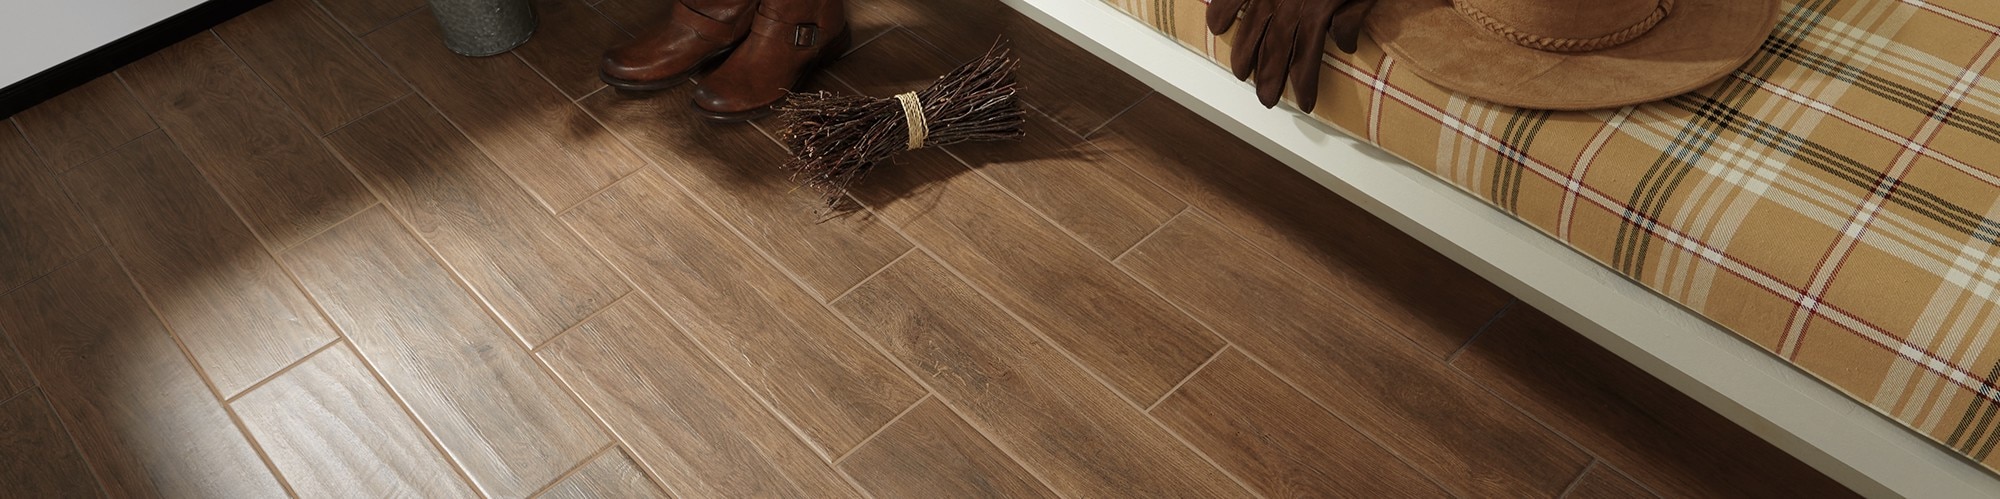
(38,34)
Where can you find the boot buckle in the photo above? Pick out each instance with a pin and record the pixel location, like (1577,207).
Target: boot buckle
(805,35)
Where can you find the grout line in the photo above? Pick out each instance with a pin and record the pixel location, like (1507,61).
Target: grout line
(580,322)
(1190,377)
(103,485)
(269,241)
(1574,482)
(329,227)
(1490,321)
(430,435)
(884,429)
(1092,133)
(281,371)
(407,91)
(643,164)
(1148,237)
(1005,448)
(871,275)
(201,373)
(573,470)
(391,22)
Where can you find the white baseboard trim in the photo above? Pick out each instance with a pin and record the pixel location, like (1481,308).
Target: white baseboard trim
(1841,437)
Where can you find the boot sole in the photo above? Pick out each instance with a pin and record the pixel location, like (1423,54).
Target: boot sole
(668,82)
(832,52)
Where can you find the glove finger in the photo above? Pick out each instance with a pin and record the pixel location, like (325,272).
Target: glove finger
(1222,14)
(1243,53)
(1348,23)
(1276,55)
(1306,59)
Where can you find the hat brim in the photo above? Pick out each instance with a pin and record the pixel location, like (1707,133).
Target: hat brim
(1700,42)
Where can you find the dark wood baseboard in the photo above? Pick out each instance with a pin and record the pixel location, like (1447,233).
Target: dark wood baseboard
(105,59)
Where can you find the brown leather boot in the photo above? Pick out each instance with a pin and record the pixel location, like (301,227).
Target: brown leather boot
(695,33)
(788,40)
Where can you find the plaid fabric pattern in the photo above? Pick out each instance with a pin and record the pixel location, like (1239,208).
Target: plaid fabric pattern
(1834,201)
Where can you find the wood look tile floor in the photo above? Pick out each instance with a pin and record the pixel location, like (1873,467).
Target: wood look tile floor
(311,253)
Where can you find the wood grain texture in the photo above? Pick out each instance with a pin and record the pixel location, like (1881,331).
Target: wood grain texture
(83,123)
(537,275)
(611,476)
(1097,199)
(932,453)
(129,398)
(633,16)
(1077,89)
(568,45)
(683,415)
(37,458)
(14,377)
(789,349)
(334,431)
(1022,392)
(1473,443)
(734,168)
(1280,442)
(1363,260)
(264,162)
(363,16)
(498,413)
(311,63)
(39,229)
(228,300)
(551,146)
(1602,482)
(1132,337)
(1660,437)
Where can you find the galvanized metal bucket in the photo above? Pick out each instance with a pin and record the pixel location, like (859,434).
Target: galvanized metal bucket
(480,28)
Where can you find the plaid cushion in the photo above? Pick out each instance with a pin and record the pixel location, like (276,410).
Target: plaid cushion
(1834,201)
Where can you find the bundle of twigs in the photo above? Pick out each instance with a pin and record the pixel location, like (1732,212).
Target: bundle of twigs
(836,139)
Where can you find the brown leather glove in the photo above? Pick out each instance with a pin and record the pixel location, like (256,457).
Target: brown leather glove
(1287,36)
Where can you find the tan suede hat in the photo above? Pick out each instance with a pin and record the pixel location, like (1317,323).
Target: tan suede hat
(1572,54)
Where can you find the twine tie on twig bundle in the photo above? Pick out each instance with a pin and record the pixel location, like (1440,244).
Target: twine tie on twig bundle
(913,118)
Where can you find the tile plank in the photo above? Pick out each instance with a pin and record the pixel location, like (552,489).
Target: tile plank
(1279,441)
(735,169)
(1132,337)
(793,352)
(361,17)
(311,63)
(1659,436)
(336,432)
(683,415)
(221,292)
(1473,443)
(1602,482)
(273,170)
(509,425)
(37,458)
(611,475)
(1360,258)
(39,229)
(634,16)
(1022,392)
(568,45)
(545,141)
(84,123)
(122,387)
(537,275)
(932,453)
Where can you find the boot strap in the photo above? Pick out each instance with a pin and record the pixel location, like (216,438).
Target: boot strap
(798,35)
(703,26)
